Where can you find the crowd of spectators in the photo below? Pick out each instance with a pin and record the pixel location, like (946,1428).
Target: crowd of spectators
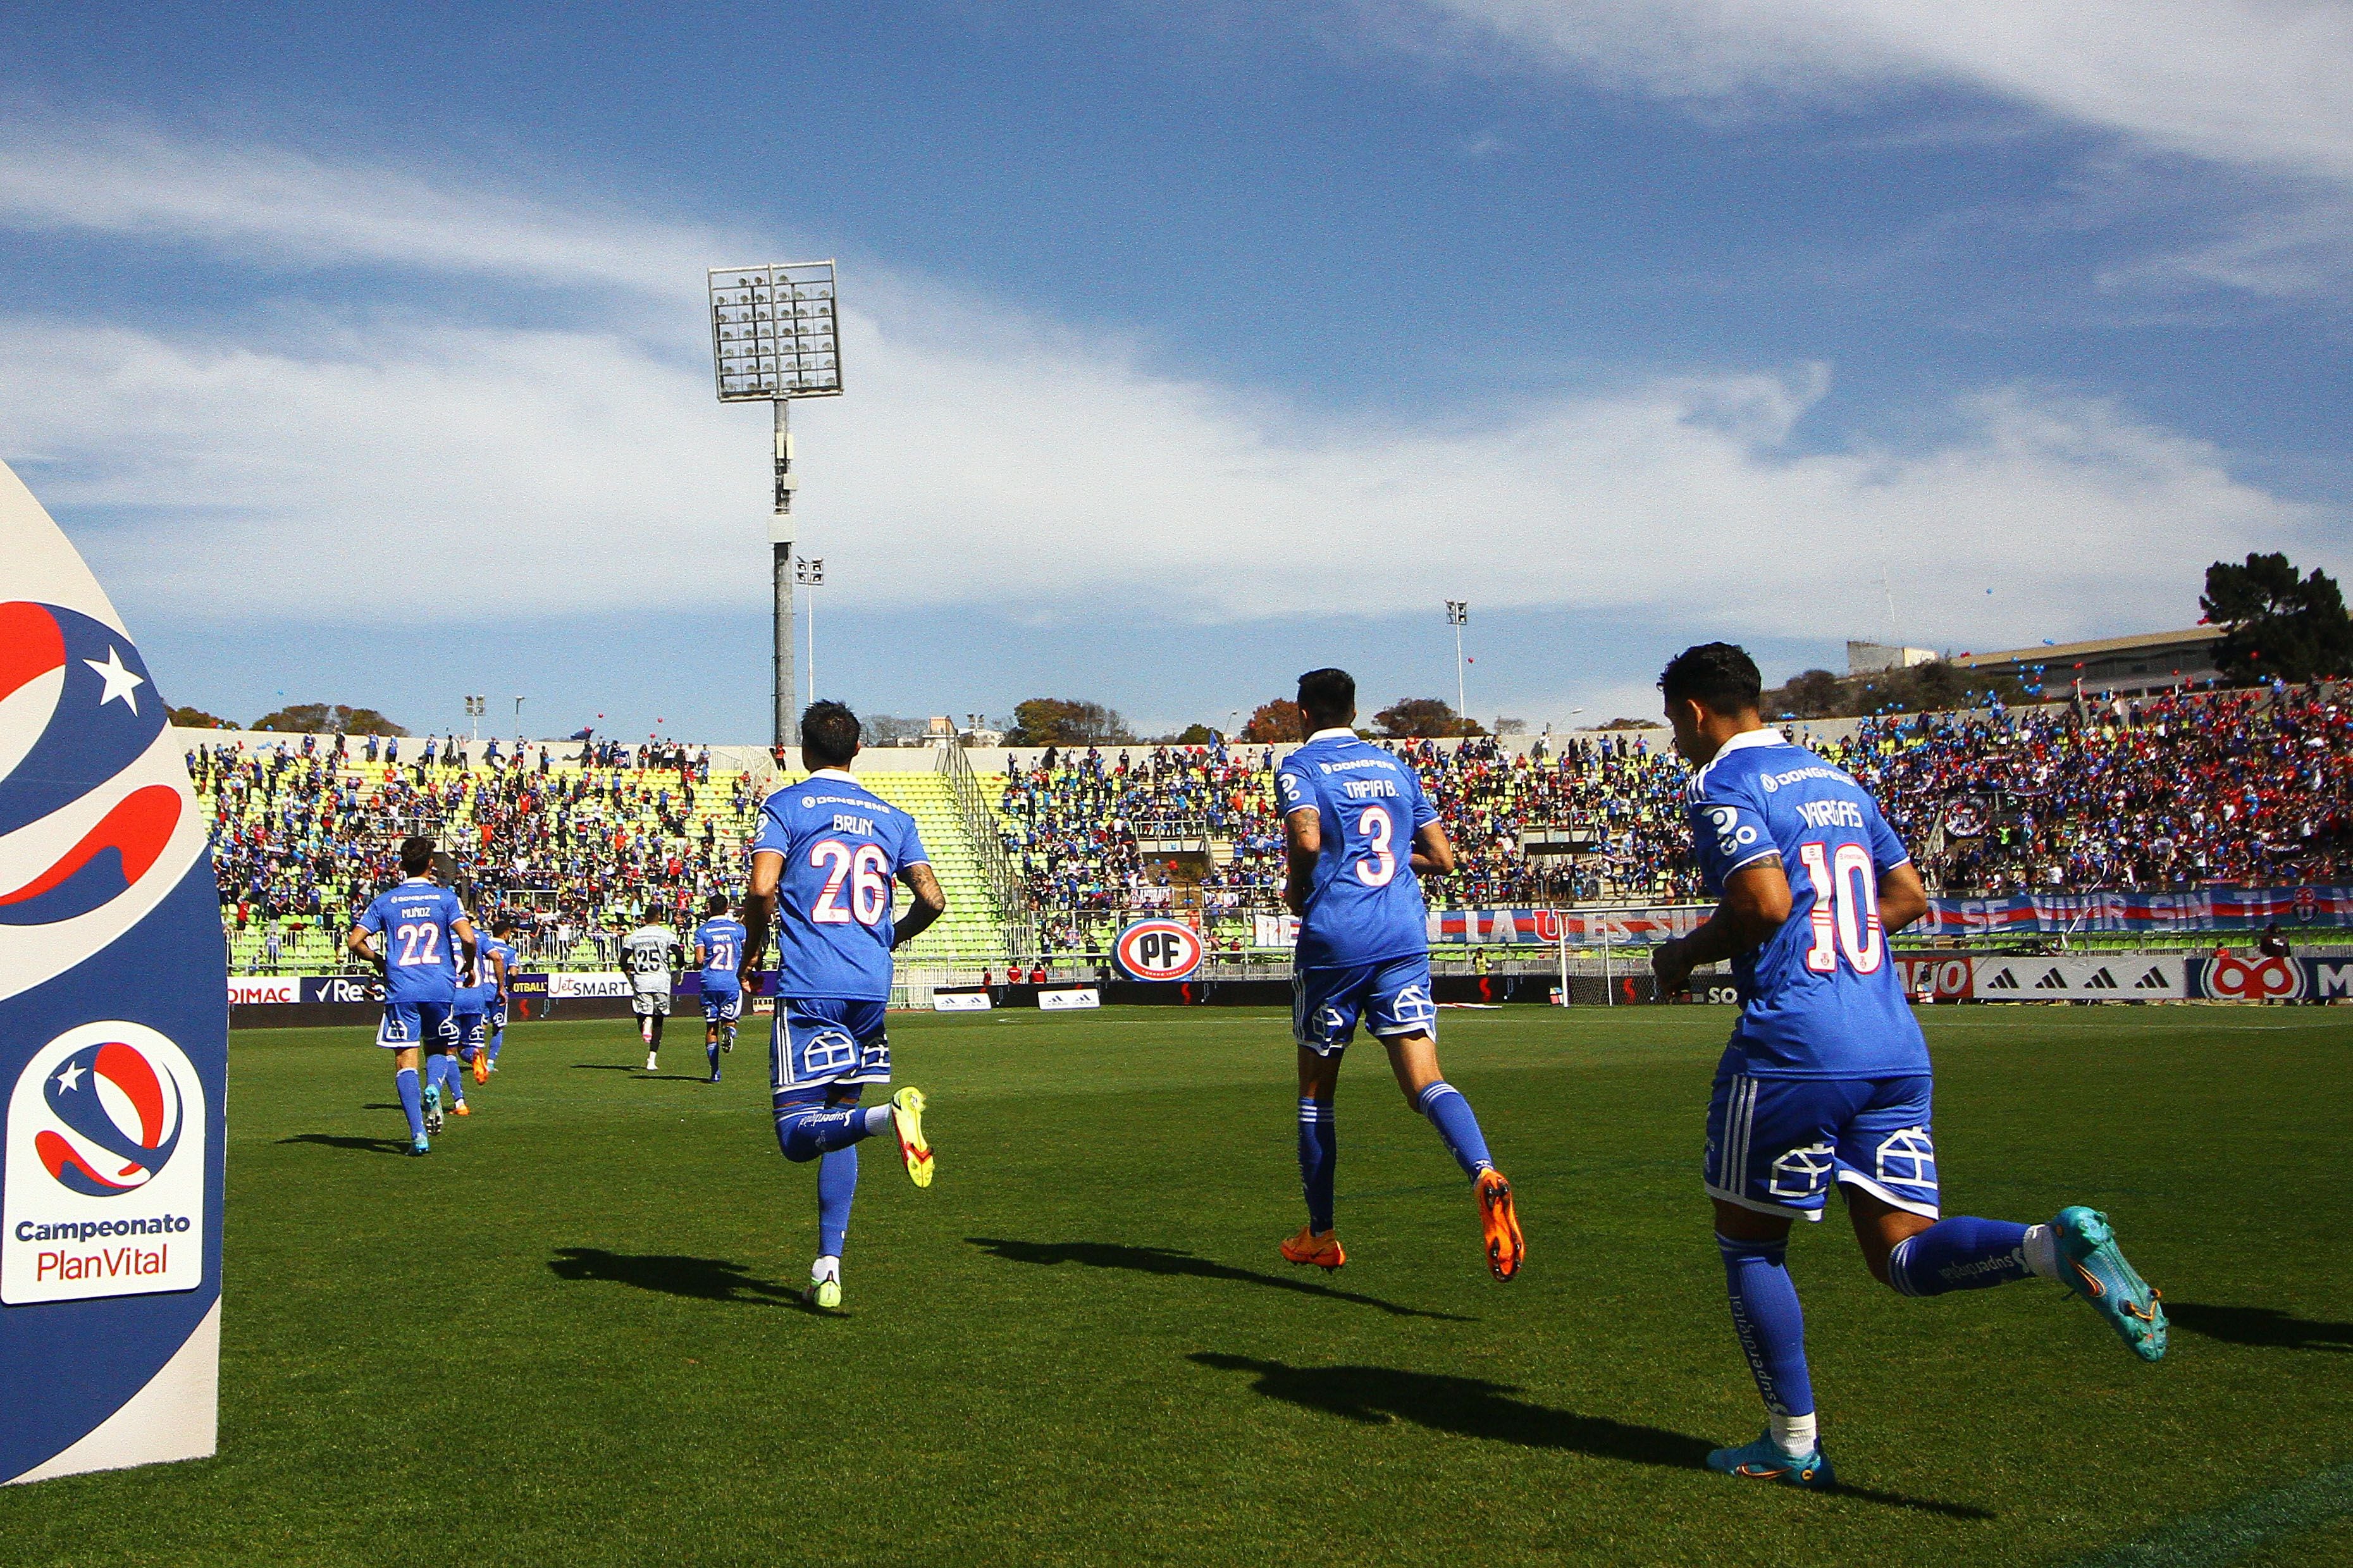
(306,833)
(2175,790)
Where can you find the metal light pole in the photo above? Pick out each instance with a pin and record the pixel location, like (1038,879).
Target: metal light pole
(811,573)
(475,708)
(1457,611)
(772,339)
(517,721)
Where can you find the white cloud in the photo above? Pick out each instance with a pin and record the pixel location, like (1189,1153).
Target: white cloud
(2264,84)
(318,465)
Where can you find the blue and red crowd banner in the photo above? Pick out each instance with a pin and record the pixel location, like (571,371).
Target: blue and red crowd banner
(2024,914)
(113,1037)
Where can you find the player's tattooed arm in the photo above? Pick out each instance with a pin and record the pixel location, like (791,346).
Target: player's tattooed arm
(358,943)
(463,930)
(1434,852)
(927,903)
(1303,841)
(759,912)
(1755,903)
(1902,897)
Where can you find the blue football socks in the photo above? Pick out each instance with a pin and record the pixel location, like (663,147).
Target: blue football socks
(1319,1151)
(1958,1253)
(412,1100)
(1450,1114)
(1769,1322)
(710,1053)
(837,1183)
(496,1036)
(810,1127)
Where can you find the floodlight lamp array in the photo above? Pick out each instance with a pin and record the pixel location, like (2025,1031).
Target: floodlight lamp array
(774,332)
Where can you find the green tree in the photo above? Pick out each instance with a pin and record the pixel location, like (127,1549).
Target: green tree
(321,718)
(1425,718)
(2275,622)
(197,718)
(1812,694)
(1065,721)
(1276,721)
(1194,735)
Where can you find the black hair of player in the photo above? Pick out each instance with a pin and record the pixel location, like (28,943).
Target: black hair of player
(1718,675)
(716,904)
(416,854)
(653,914)
(1327,694)
(828,734)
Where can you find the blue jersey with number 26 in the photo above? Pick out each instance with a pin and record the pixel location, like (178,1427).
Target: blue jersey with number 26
(1364,904)
(844,848)
(421,954)
(1821,998)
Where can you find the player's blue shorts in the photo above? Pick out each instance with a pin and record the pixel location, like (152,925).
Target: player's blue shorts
(722,1007)
(823,1041)
(472,1030)
(1393,997)
(421,1024)
(497,1013)
(1775,1145)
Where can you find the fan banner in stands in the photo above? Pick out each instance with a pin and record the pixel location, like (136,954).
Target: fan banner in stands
(1274,930)
(2027,914)
(113,1038)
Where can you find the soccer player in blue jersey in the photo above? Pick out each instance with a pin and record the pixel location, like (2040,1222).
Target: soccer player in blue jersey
(478,994)
(503,959)
(1826,1080)
(1358,832)
(822,867)
(417,933)
(718,948)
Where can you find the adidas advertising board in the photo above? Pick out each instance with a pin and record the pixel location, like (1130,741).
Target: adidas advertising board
(113,1037)
(1069,998)
(2111,977)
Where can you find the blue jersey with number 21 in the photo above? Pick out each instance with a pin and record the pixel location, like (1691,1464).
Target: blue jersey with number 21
(420,952)
(1821,998)
(722,939)
(844,848)
(1364,904)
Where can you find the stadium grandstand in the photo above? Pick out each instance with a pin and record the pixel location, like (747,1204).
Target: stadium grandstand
(1047,853)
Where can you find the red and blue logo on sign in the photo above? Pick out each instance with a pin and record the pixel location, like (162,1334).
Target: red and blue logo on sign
(116,1120)
(1159,949)
(76,706)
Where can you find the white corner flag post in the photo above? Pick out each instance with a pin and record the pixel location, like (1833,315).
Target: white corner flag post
(113,1038)
(774,337)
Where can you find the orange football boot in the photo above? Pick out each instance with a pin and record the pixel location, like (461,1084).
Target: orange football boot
(1324,1251)
(1500,1224)
(482,1066)
(460,1110)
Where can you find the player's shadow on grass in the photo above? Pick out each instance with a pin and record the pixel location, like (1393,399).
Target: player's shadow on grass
(648,1077)
(704,1279)
(1473,1407)
(356,1145)
(1166,1261)
(2266,1326)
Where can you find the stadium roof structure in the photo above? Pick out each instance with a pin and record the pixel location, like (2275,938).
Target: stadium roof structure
(2143,659)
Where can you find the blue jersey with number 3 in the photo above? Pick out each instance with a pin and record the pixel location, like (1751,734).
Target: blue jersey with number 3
(1821,998)
(844,848)
(1365,905)
(420,952)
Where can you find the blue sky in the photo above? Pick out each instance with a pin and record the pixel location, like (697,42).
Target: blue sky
(1182,352)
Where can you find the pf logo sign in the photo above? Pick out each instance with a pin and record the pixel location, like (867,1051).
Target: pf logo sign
(2257,980)
(1159,949)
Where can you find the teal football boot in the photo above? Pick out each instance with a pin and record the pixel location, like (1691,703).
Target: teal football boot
(433,1111)
(1763,1460)
(420,1145)
(2095,1268)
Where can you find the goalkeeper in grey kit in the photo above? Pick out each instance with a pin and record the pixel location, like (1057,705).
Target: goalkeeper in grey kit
(652,957)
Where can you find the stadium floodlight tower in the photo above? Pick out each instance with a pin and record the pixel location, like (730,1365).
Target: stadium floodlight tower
(1457,611)
(772,339)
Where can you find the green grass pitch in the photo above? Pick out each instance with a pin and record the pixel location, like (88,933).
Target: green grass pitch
(573,1334)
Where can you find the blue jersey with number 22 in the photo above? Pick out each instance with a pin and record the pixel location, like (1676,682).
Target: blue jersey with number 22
(1821,998)
(420,952)
(1364,904)
(843,847)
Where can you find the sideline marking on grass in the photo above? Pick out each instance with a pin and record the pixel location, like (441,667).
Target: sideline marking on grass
(2227,1534)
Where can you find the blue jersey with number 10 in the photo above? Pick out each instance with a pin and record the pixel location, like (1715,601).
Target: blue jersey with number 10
(722,939)
(420,951)
(1821,998)
(843,847)
(1364,904)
